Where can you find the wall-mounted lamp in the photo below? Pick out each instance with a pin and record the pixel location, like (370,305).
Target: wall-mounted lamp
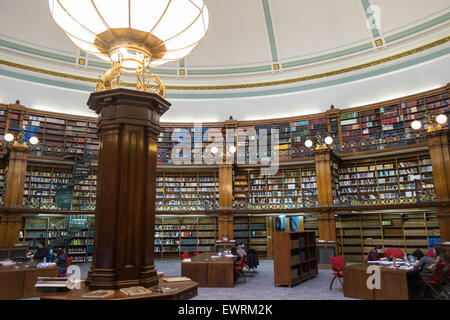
(434,124)
(320,142)
(19,140)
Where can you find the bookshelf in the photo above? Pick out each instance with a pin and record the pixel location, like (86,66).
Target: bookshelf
(288,189)
(174,235)
(294,257)
(49,229)
(84,193)
(357,234)
(400,180)
(42,181)
(253,231)
(188,191)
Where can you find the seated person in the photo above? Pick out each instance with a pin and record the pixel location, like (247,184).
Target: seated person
(245,247)
(426,273)
(60,260)
(376,254)
(42,252)
(240,250)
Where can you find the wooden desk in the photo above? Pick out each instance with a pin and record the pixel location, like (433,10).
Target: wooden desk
(18,283)
(12,252)
(185,290)
(395,283)
(210,272)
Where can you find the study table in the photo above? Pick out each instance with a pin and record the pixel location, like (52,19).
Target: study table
(209,272)
(395,284)
(17,282)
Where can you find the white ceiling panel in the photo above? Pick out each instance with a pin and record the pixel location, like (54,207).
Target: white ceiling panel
(397,14)
(30,21)
(236,36)
(309,27)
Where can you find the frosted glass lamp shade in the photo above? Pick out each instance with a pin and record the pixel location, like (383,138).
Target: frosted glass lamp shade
(441,119)
(416,124)
(34,140)
(329,140)
(308,143)
(9,137)
(164,30)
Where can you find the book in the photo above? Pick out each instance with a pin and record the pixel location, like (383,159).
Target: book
(135,291)
(176,279)
(98,294)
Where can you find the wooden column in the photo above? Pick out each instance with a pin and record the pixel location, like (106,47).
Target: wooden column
(438,142)
(225,221)
(125,210)
(225,186)
(11,217)
(327,225)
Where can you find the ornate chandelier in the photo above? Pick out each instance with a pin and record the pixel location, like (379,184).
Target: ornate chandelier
(133,34)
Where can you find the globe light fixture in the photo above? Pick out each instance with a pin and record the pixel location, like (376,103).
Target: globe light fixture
(214,150)
(328,140)
(232,149)
(33,140)
(441,119)
(8,137)
(308,143)
(416,124)
(133,34)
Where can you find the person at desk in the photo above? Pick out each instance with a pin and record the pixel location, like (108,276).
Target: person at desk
(60,260)
(245,247)
(376,254)
(240,251)
(42,252)
(424,264)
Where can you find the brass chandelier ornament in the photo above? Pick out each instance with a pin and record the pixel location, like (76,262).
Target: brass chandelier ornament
(133,35)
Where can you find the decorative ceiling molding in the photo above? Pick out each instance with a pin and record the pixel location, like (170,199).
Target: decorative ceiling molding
(241,94)
(287,65)
(245,85)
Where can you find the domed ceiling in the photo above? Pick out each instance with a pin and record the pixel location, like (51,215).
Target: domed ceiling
(260,58)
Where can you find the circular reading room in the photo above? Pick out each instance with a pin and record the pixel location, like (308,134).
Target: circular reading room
(212,150)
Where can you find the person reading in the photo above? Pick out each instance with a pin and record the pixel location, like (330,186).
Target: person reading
(42,253)
(60,260)
(424,264)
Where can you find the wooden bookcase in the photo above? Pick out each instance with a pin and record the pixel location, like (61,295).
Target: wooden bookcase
(288,189)
(48,229)
(403,180)
(357,234)
(253,231)
(41,182)
(175,235)
(294,257)
(188,191)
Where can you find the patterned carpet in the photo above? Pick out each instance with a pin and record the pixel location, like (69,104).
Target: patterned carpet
(259,286)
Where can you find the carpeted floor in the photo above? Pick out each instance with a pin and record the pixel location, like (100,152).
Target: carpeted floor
(259,286)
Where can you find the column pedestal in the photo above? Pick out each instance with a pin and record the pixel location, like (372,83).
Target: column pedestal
(125,209)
